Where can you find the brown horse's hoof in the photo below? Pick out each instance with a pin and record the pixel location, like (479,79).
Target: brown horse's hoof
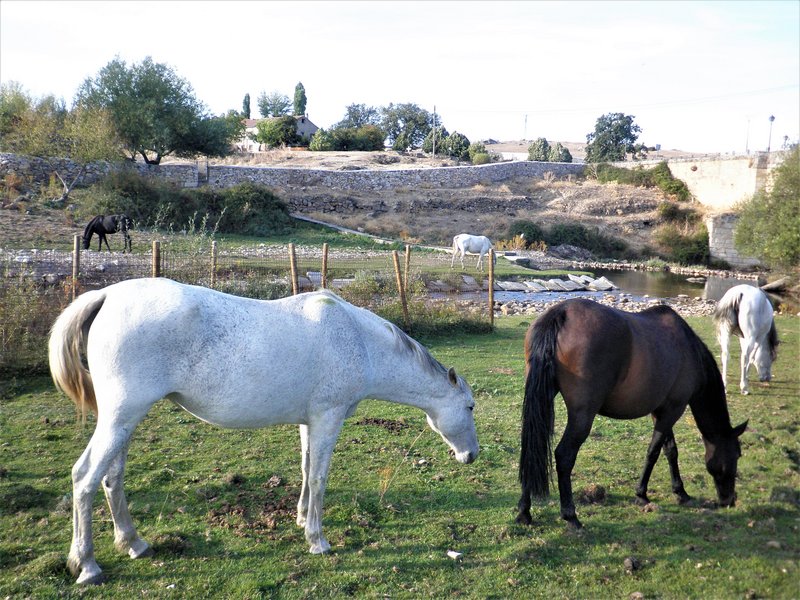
(573,523)
(642,500)
(683,498)
(524,518)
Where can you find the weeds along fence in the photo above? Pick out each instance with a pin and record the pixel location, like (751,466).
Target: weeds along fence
(416,290)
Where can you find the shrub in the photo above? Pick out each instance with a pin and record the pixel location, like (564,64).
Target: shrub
(529,229)
(481,158)
(686,247)
(539,150)
(659,176)
(476,148)
(769,224)
(247,208)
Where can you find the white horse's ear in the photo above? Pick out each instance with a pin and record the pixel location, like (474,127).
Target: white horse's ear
(451,375)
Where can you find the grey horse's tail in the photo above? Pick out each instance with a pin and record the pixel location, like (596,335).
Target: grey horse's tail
(67,346)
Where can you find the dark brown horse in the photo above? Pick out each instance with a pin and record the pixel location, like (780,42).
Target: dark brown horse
(623,366)
(106,224)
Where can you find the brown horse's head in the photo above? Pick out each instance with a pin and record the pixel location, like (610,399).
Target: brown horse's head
(722,457)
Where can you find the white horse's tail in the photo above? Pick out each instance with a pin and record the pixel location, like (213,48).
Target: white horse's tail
(67,340)
(726,314)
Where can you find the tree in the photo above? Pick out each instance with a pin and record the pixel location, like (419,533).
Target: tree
(246,106)
(154,111)
(299,99)
(457,146)
(277,131)
(273,104)
(46,129)
(614,136)
(559,153)
(406,125)
(769,224)
(440,134)
(539,150)
(358,115)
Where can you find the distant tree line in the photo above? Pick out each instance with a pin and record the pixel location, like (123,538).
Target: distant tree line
(146,110)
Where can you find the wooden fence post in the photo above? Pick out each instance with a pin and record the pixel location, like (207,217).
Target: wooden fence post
(325,266)
(76,264)
(400,288)
(213,264)
(407,266)
(293,265)
(491,287)
(156,258)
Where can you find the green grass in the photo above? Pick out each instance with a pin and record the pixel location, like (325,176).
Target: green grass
(218,505)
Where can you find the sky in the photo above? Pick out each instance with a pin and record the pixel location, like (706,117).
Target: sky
(697,76)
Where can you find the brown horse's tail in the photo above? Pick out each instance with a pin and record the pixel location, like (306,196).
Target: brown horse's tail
(538,414)
(66,347)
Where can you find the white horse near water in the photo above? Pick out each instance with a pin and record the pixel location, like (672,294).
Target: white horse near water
(234,362)
(477,244)
(746,312)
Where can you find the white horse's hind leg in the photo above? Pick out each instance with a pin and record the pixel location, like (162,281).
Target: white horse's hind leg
(723,337)
(302,504)
(107,442)
(125,536)
(322,434)
(748,347)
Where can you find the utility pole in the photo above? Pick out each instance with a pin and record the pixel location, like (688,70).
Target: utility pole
(434,131)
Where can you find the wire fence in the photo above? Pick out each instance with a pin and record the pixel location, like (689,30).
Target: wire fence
(417,290)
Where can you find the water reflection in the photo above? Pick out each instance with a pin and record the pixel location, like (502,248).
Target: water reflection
(661,284)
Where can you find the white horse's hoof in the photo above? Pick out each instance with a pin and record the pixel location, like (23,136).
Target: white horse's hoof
(320,548)
(140,549)
(301,521)
(90,574)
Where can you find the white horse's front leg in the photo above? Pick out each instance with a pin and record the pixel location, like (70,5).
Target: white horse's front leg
(302,504)
(125,537)
(322,434)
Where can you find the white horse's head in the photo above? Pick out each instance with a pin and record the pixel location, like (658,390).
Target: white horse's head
(763,362)
(452,418)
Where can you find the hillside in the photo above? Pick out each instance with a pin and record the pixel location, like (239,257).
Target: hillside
(424,215)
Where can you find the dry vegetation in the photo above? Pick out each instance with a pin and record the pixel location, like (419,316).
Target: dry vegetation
(417,215)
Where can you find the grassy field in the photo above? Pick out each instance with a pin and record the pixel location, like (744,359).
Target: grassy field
(218,505)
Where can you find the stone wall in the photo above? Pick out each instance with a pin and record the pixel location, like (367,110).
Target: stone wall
(366,180)
(722,182)
(720,241)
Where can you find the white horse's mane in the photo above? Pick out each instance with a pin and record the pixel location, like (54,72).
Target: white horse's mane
(419,351)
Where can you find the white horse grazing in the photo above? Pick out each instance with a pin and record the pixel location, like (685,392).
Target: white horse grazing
(477,244)
(746,312)
(234,362)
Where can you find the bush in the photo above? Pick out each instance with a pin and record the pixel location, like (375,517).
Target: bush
(531,231)
(481,158)
(659,176)
(246,209)
(769,224)
(672,213)
(476,148)
(593,240)
(539,150)
(686,247)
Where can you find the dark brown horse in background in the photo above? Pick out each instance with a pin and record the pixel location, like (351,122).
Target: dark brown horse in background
(107,224)
(623,366)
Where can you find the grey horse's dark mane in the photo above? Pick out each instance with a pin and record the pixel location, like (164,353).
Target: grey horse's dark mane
(419,351)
